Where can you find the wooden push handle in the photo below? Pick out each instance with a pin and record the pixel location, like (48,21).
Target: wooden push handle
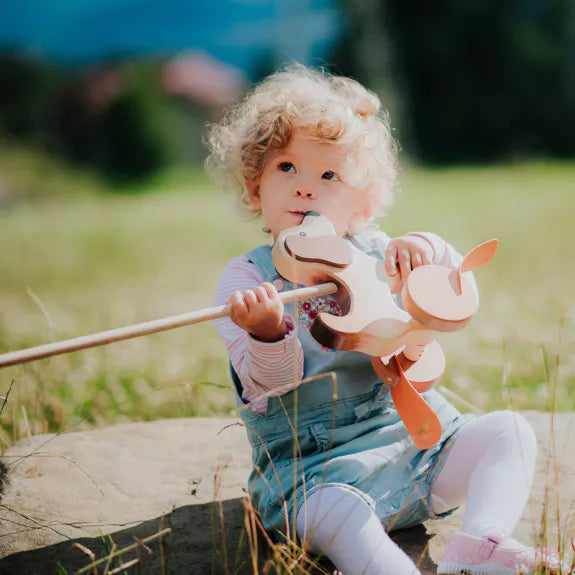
(146,328)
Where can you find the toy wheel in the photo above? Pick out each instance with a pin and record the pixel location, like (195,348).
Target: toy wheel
(431,295)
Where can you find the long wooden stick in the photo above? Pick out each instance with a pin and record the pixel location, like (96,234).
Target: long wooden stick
(146,328)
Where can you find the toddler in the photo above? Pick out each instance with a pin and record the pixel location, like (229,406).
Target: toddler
(339,470)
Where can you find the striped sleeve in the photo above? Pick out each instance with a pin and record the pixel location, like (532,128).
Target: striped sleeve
(264,369)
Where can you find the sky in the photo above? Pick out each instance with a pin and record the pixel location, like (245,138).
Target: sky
(241,33)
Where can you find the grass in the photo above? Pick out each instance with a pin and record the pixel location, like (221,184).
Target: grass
(85,262)
(84,265)
(81,261)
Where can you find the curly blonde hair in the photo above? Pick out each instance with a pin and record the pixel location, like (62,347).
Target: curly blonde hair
(333,109)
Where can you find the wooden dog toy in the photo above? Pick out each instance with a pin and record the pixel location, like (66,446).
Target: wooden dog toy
(400,342)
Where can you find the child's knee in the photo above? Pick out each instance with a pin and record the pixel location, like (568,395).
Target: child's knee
(514,425)
(327,508)
(334,501)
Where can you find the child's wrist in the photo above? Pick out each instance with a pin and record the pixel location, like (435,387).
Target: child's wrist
(272,336)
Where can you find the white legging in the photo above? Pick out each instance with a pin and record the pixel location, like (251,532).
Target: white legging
(490,466)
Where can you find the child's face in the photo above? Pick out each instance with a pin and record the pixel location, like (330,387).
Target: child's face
(308,176)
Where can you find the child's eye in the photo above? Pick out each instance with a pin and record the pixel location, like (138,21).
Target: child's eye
(287,167)
(329,175)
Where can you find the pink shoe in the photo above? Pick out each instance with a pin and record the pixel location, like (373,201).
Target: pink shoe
(468,555)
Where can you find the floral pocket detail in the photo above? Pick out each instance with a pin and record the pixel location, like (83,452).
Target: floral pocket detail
(308,309)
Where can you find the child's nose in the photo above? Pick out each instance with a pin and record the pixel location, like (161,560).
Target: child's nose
(304,193)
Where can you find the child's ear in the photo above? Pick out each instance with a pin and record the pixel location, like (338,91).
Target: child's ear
(253,188)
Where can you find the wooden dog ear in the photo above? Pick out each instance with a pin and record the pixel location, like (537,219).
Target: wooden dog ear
(330,250)
(479,256)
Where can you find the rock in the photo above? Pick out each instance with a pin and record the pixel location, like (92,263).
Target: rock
(130,480)
(109,488)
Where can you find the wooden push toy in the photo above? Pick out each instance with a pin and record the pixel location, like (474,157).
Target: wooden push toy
(401,343)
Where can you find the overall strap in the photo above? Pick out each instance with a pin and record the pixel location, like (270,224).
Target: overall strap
(261,257)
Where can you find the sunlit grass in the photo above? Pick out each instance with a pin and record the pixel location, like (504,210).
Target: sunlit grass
(527,307)
(85,262)
(79,261)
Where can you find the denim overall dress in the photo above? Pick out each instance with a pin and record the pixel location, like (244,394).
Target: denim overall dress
(340,427)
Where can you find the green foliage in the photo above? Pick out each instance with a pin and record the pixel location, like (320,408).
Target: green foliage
(126,139)
(116,121)
(471,81)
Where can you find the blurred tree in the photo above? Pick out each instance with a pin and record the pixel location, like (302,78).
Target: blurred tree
(116,118)
(483,80)
(365,52)
(24,89)
(111,119)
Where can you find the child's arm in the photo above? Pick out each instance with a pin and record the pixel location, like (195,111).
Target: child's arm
(405,253)
(264,367)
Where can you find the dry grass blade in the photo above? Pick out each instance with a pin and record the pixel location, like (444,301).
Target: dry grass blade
(5,397)
(142,545)
(123,567)
(119,552)
(89,553)
(49,323)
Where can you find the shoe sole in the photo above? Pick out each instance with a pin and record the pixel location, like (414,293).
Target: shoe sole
(453,568)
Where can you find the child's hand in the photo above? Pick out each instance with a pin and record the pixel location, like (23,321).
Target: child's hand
(406,253)
(260,312)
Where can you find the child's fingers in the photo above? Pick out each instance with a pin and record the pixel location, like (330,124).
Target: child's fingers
(250,298)
(261,299)
(416,260)
(390,261)
(404,261)
(273,295)
(427,257)
(421,250)
(271,290)
(261,294)
(239,307)
(265,303)
(271,299)
(237,301)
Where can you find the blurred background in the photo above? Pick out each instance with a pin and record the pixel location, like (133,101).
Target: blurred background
(107,217)
(124,86)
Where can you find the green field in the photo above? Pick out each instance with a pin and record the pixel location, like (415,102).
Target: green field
(82,262)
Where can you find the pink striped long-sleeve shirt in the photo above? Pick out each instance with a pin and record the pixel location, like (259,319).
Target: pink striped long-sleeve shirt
(267,369)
